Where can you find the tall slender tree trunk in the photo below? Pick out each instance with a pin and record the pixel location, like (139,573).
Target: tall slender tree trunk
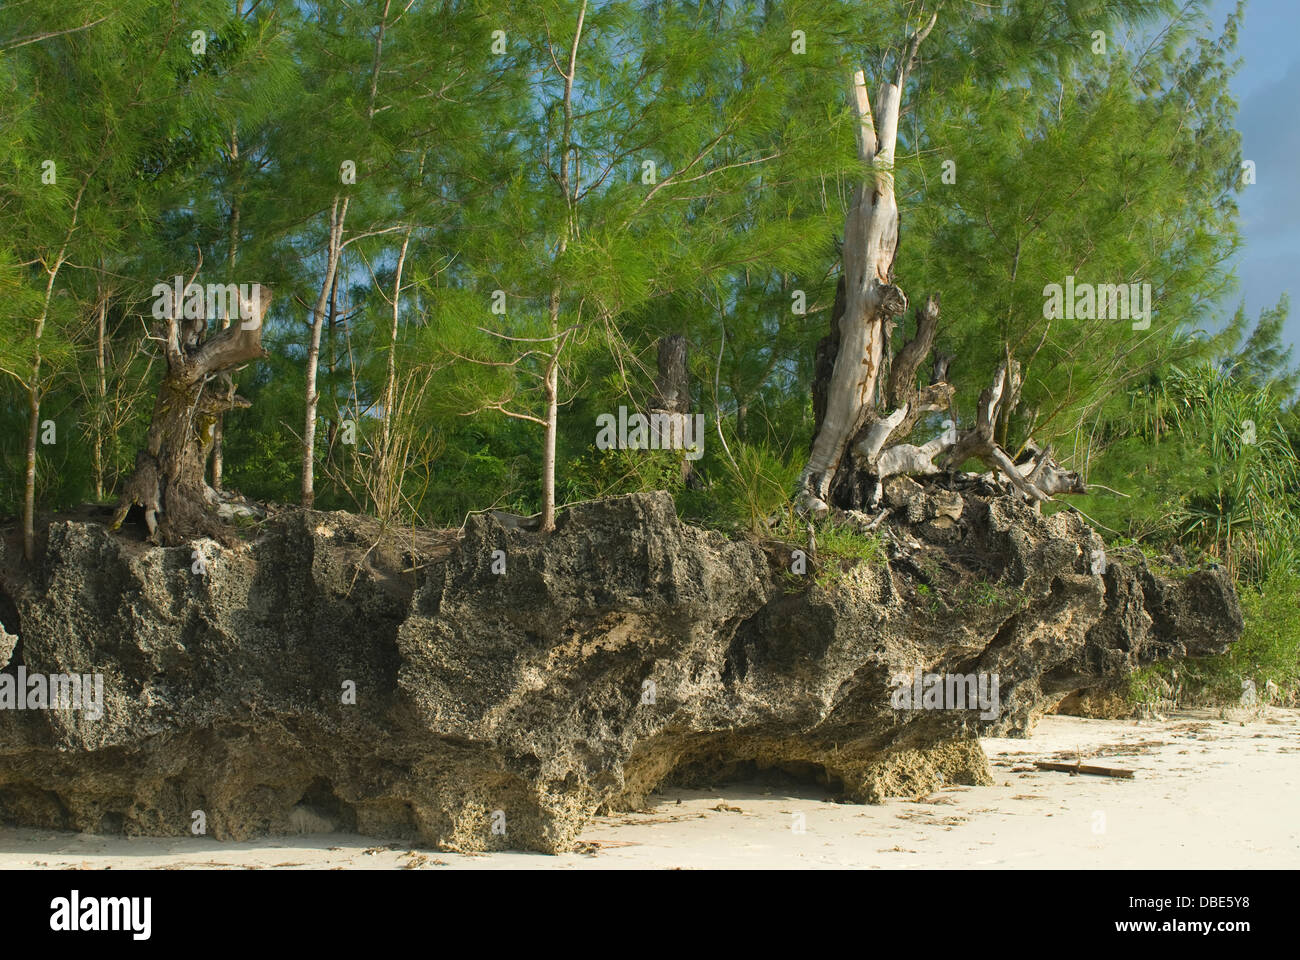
(29,469)
(551,392)
(331,325)
(34,385)
(338,212)
(34,418)
(101,388)
(871,299)
(672,394)
(551,387)
(218,428)
(387,469)
(379,49)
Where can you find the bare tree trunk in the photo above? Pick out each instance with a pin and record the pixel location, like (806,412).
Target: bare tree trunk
(551,388)
(548,448)
(34,386)
(673,392)
(387,468)
(101,388)
(168,478)
(854,363)
(856,370)
(551,394)
(337,214)
(331,325)
(29,469)
(871,300)
(34,419)
(390,379)
(218,429)
(379,48)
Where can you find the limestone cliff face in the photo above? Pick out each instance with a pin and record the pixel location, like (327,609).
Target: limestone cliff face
(310,679)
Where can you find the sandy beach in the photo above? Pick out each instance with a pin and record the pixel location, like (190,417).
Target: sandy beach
(1210,790)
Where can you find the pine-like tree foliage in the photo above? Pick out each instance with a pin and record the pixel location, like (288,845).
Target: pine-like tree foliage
(710,163)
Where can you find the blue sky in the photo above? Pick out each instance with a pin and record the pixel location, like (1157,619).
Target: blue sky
(1267,89)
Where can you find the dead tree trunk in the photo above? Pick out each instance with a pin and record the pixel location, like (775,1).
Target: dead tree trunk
(871,300)
(168,478)
(670,406)
(218,455)
(99,433)
(866,399)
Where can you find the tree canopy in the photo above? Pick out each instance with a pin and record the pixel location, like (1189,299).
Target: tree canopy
(479,218)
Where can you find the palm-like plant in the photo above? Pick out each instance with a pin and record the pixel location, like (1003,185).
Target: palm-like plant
(1244,509)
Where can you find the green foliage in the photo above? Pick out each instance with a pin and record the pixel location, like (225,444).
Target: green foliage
(840,549)
(757,487)
(612,473)
(1206,457)
(843,543)
(237,151)
(1263,358)
(1045,172)
(1265,661)
(1243,510)
(1023,159)
(1269,650)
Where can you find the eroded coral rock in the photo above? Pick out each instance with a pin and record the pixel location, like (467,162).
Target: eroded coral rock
(498,691)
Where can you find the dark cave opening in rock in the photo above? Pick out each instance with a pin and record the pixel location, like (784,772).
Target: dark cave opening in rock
(10,657)
(707,773)
(321,811)
(135,521)
(32,805)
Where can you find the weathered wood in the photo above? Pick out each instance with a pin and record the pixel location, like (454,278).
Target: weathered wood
(168,478)
(1039,478)
(866,400)
(902,376)
(672,399)
(871,300)
(1084,768)
(672,381)
(824,360)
